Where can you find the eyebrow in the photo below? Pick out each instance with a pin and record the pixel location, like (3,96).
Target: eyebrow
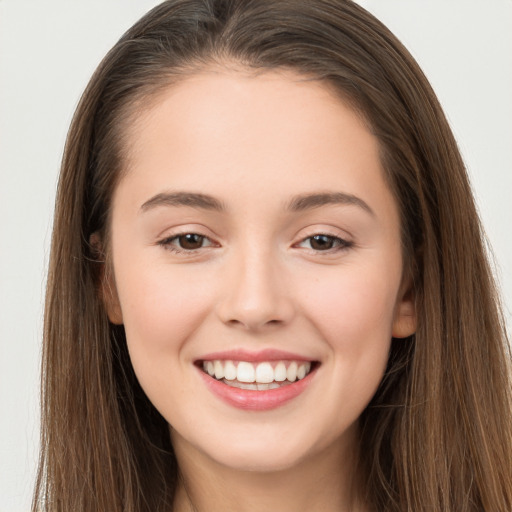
(297,204)
(309,201)
(191,199)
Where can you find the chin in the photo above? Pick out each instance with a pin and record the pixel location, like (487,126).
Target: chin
(253,460)
(263,448)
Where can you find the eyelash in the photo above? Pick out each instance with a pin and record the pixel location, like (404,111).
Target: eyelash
(339,244)
(166,243)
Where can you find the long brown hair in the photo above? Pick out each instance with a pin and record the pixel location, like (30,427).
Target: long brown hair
(437,435)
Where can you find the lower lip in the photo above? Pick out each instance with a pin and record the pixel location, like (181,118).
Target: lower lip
(253,400)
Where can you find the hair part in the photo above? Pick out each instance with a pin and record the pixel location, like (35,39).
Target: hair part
(437,434)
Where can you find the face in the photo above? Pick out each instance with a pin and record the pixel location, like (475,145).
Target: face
(257,267)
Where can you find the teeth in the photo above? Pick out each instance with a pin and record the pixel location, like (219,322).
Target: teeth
(291,373)
(243,385)
(265,375)
(229,370)
(280,372)
(219,370)
(252,385)
(245,372)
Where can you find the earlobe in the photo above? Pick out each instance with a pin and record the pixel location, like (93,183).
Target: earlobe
(404,323)
(111,300)
(107,286)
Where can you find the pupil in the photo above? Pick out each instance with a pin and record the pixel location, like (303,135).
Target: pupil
(191,241)
(322,242)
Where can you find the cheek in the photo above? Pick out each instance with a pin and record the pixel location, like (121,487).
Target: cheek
(161,307)
(353,311)
(356,300)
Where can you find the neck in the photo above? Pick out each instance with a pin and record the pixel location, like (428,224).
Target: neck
(327,482)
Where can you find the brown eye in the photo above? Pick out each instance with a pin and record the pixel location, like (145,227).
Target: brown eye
(322,242)
(190,241)
(186,243)
(325,243)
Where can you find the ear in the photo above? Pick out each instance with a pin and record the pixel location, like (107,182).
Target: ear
(110,298)
(107,286)
(404,322)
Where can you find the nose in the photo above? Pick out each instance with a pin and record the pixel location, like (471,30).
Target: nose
(255,296)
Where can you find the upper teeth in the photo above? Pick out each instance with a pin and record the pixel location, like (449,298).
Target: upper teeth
(262,373)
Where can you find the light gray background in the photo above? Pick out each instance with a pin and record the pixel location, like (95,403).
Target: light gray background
(48,50)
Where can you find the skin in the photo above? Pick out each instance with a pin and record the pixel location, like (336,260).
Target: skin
(254,143)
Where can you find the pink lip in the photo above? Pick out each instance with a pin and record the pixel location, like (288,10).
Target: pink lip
(252,400)
(253,357)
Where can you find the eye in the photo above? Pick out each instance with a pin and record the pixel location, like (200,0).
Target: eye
(186,242)
(323,242)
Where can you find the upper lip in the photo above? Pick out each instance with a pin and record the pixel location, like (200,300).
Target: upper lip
(254,356)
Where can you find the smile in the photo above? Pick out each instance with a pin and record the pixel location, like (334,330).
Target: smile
(257,376)
(256,383)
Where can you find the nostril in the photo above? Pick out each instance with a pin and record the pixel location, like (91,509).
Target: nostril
(255,302)
(249,323)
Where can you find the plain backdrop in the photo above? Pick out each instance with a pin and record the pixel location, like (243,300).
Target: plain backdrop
(48,50)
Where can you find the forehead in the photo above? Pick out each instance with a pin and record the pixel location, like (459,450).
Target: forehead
(266,105)
(222,131)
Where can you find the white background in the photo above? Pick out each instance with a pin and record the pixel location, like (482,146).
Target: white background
(48,50)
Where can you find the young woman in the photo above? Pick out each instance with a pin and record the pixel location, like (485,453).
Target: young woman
(268,287)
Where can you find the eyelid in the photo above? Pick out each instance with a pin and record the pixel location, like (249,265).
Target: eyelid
(183,229)
(166,239)
(345,240)
(170,238)
(342,240)
(341,243)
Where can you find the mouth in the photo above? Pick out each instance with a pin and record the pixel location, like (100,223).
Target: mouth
(256,382)
(257,376)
